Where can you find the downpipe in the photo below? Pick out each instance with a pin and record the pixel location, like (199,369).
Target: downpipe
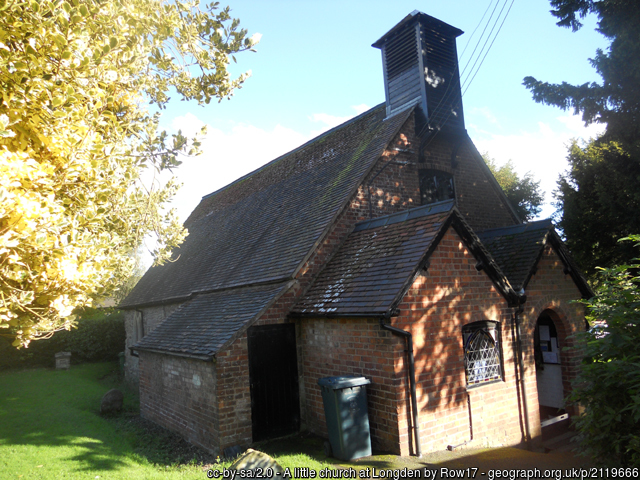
(412,381)
(520,365)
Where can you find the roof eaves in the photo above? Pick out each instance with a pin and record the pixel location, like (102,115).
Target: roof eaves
(422,211)
(194,293)
(516,229)
(343,314)
(205,358)
(415,16)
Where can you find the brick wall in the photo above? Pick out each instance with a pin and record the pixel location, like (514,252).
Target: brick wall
(234,394)
(553,291)
(180,394)
(353,346)
(393,184)
(150,317)
(451,294)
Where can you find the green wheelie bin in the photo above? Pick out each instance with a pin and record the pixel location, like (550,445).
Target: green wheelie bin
(345,410)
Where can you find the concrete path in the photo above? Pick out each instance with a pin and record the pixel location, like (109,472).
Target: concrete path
(553,459)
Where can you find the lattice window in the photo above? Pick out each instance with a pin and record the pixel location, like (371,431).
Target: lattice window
(481,353)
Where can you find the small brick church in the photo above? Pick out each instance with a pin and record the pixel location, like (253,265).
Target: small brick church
(383,248)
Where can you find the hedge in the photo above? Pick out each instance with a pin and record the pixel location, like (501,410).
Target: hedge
(100,336)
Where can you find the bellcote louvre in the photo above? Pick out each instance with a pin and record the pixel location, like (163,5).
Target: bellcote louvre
(420,65)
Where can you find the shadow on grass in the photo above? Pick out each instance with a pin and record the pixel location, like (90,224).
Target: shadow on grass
(48,408)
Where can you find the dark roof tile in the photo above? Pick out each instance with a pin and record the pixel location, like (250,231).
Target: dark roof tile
(202,326)
(372,267)
(517,249)
(261,227)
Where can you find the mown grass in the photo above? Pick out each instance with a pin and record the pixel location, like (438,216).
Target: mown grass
(50,428)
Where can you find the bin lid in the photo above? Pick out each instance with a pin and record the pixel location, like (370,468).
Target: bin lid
(345,381)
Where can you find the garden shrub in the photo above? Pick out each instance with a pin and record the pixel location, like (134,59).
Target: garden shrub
(608,386)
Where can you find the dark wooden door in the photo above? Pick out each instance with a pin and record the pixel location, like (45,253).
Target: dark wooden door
(273,373)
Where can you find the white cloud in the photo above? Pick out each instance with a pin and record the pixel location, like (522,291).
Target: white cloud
(331,121)
(486,113)
(542,152)
(227,156)
(363,107)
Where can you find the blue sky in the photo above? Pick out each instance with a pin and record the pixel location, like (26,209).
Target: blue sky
(315,68)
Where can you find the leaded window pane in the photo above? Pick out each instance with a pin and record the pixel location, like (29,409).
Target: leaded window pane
(482,360)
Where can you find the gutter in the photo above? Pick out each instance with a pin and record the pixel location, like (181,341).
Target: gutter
(412,381)
(393,313)
(190,296)
(206,358)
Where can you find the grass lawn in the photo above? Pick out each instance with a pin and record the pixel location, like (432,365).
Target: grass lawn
(50,428)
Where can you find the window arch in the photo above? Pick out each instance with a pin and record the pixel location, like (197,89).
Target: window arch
(482,358)
(435,186)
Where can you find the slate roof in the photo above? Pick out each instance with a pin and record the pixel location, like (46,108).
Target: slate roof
(262,227)
(372,270)
(517,249)
(204,325)
(376,262)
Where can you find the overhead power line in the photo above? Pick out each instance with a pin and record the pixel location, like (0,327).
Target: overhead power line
(444,101)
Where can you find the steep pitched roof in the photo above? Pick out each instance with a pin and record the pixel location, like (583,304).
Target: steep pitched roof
(517,250)
(371,271)
(263,227)
(374,263)
(204,325)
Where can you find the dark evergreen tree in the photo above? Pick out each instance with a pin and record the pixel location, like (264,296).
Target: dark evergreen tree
(598,197)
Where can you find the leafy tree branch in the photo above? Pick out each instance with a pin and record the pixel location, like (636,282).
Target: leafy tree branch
(76,137)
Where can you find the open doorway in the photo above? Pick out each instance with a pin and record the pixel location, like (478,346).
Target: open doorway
(273,375)
(548,367)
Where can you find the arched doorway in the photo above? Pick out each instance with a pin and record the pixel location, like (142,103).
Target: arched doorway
(548,366)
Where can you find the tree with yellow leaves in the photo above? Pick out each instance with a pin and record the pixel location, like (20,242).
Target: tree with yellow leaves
(76,135)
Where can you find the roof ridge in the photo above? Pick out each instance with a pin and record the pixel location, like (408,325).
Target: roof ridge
(229,225)
(517,229)
(298,148)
